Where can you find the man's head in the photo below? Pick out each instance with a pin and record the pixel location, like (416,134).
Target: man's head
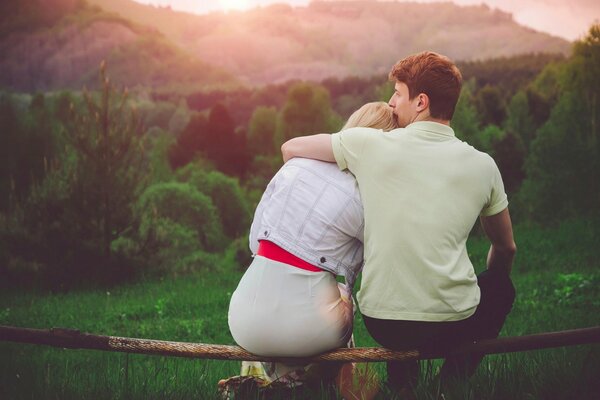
(427,88)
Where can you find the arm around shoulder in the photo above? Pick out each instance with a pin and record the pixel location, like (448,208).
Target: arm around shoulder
(317,147)
(498,229)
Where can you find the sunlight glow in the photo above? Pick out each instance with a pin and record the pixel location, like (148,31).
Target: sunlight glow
(234,4)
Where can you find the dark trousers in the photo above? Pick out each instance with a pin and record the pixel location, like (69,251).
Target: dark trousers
(497,296)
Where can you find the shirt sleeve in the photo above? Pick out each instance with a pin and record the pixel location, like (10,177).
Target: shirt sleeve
(348,146)
(498,200)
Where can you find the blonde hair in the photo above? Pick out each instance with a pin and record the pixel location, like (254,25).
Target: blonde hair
(376,115)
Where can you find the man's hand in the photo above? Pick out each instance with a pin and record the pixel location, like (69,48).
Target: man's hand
(498,229)
(317,147)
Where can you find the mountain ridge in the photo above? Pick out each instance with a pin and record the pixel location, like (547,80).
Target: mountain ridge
(58,44)
(279,42)
(64,51)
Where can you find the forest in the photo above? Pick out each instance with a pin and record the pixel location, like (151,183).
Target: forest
(100,186)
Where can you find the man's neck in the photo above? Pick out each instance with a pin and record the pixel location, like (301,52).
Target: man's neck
(439,121)
(424,116)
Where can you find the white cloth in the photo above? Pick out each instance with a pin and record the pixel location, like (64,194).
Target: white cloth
(283,311)
(314,211)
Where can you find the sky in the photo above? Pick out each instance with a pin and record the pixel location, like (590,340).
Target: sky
(569,19)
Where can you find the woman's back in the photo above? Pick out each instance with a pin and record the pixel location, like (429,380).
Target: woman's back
(313,210)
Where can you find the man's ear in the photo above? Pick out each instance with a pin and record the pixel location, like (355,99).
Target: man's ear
(422,102)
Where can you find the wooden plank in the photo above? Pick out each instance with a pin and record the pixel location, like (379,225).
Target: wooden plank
(74,339)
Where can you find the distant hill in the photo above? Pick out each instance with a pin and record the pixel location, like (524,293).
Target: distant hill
(338,38)
(59,44)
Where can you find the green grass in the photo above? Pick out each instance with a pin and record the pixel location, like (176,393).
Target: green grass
(556,274)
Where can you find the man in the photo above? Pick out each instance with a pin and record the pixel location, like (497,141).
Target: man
(423,190)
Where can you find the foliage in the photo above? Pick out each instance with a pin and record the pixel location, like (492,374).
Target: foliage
(222,144)
(157,114)
(180,119)
(164,65)
(564,164)
(225,193)
(489,137)
(512,74)
(34,14)
(261,131)
(213,138)
(490,105)
(184,224)
(575,290)
(307,111)
(189,143)
(70,219)
(106,138)
(29,145)
(11,135)
(178,228)
(263,168)
(350,93)
(465,121)
(158,142)
(509,154)
(519,120)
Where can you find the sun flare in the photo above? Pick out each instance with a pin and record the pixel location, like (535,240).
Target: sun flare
(234,4)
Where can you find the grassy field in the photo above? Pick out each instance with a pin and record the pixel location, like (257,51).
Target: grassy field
(557,276)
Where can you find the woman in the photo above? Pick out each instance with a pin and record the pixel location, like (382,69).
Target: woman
(307,228)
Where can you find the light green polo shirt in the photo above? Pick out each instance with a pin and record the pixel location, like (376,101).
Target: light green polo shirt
(422,191)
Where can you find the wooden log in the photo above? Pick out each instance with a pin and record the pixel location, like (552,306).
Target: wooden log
(74,339)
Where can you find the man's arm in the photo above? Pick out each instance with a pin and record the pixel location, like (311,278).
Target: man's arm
(498,229)
(317,147)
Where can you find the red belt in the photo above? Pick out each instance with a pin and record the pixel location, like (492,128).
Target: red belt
(273,252)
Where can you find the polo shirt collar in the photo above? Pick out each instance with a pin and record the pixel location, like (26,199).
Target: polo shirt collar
(433,127)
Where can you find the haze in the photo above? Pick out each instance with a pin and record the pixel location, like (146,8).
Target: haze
(568,19)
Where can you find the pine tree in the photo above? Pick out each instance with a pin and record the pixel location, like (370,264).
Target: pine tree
(105,137)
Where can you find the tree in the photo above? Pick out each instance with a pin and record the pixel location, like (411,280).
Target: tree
(509,154)
(105,135)
(564,163)
(178,230)
(465,121)
(543,92)
(226,195)
(261,131)
(490,105)
(28,142)
(10,135)
(307,110)
(519,120)
(190,142)
(215,139)
(84,203)
(158,143)
(489,137)
(164,206)
(222,145)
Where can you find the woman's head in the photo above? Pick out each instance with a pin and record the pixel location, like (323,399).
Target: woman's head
(376,115)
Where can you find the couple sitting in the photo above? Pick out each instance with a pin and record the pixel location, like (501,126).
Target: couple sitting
(397,181)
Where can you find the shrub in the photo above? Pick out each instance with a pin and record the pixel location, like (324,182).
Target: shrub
(226,194)
(179,226)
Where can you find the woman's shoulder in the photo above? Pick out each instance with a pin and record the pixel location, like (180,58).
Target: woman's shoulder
(320,169)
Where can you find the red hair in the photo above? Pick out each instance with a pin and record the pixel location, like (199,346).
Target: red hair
(434,75)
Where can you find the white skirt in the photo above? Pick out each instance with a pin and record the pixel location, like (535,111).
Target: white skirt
(280,310)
